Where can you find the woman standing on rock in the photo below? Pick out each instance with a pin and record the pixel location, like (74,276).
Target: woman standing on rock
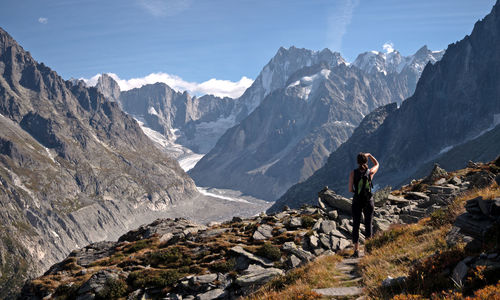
(360,184)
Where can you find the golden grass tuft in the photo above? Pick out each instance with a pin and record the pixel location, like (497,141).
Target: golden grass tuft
(299,283)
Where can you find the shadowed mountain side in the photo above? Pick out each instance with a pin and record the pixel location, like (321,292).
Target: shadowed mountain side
(484,148)
(455,100)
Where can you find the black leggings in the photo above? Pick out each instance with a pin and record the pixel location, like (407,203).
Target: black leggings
(367,207)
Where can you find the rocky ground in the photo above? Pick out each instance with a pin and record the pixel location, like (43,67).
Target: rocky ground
(178,259)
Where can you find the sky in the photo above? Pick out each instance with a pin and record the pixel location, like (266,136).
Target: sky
(220,46)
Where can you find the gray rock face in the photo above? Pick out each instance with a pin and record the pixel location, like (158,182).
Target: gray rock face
(437,116)
(74,168)
(335,201)
(163,109)
(109,88)
(294,129)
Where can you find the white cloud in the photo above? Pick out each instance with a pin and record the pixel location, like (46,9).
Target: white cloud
(43,20)
(338,20)
(217,87)
(160,8)
(388,47)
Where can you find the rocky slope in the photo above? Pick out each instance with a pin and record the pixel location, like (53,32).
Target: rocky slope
(456,99)
(177,259)
(294,129)
(74,168)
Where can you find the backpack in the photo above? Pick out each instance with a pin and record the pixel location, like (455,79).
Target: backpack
(362,185)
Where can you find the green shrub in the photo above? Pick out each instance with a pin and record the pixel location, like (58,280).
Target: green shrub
(154,279)
(441,217)
(267,250)
(137,246)
(167,256)
(223,266)
(307,221)
(67,291)
(280,282)
(113,289)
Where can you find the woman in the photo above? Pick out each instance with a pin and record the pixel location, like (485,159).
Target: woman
(360,185)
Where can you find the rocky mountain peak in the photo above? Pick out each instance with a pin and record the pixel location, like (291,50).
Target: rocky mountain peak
(108,87)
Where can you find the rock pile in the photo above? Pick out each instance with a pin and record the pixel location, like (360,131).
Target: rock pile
(178,259)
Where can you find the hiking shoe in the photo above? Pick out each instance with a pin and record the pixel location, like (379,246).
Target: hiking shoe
(355,254)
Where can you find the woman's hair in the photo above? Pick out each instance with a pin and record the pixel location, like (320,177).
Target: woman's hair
(362,161)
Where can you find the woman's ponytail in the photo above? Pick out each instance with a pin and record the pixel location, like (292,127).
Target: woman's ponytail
(362,161)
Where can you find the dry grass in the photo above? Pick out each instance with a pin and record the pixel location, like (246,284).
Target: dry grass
(399,251)
(396,257)
(298,283)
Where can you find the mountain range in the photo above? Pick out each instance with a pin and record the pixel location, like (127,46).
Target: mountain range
(294,129)
(456,100)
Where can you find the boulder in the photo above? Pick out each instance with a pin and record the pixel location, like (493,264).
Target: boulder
(335,201)
(295,222)
(202,279)
(459,272)
(400,201)
(472,165)
(455,180)
(480,179)
(313,241)
(381,196)
(417,196)
(343,244)
(333,215)
(393,282)
(252,257)
(290,247)
(440,181)
(263,232)
(325,240)
(380,224)
(96,282)
(293,262)
(257,275)
(327,226)
(212,294)
(436,173)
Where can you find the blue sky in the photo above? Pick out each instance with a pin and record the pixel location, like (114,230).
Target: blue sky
(194,41)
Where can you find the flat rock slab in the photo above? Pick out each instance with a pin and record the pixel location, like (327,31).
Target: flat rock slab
(340,291)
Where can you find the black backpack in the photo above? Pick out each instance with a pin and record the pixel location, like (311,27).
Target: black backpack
(362,185)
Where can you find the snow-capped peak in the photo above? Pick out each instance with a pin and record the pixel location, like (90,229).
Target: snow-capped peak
(392,61)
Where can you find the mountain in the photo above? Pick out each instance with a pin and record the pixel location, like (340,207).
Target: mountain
(198,122)
(456,99)
(74,168)
(277,72)
(109,88)
(180,117)
(409,68)
(294,129)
